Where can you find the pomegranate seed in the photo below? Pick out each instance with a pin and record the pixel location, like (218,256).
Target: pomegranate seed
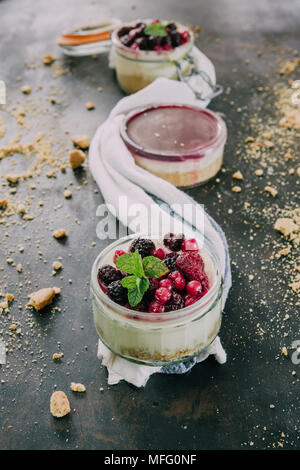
(163,295)
(190,245)
(156,307)
(159,253)
(194,288)
(118,253)
(179,282)
(167,284)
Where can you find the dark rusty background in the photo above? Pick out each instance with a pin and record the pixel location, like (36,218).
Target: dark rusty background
(213,407)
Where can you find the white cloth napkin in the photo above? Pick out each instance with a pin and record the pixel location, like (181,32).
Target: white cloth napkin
(116,174)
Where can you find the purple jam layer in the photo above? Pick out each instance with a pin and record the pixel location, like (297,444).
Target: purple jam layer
(171,132)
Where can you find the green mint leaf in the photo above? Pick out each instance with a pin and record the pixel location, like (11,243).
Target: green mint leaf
(131,263)
(154,267)
(155,29)
(134,297)
(130,282)
(143,285)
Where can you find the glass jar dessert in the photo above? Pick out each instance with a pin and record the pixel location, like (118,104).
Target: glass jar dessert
(147,50)
(179,313)
(182,144)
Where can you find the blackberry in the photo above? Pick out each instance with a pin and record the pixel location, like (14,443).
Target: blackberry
(108,274)
(153,285)
(173,241)
(143,245)
(117,292)
(175,303)
(170,261)
(176,39)
(124,30)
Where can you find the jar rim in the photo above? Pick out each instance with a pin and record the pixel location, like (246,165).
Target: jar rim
(152,56)
(199,152)
(206,300)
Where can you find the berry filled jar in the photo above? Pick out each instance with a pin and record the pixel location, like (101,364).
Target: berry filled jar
(141,58)
(157,337)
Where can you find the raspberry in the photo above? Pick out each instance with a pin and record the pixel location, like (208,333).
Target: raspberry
(156,307)
(117,292)
(172,276)
(190,299)
(194,273)
(166,283)
(176,303)
(179,282)
(107,274)
(194,288)
(159,253)
(189,259)
(118,253)
(173,241)
(144,246)
(163,295)
(170,261)
(190,245)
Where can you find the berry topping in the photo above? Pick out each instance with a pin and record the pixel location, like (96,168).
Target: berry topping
(170,261)
(176,303)
(118,253)
(166,283)
(163,295)
(108,274)
(153,36)
(194,273)
(173,241)
(144,246)
(188,260)
(159,253)
(190,299)
(194,288)
(156,307)
(190,245)
(179,282)
(117,292)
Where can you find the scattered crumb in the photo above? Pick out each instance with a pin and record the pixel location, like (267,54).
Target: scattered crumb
(67,194)
(57,265)
(43,297)
(59,404)
(286,226)
(271,190)
(48,59)
(90,105)
(57,356)
(81,141)
(236,189)
(76,158)
(60,233)
(238,175)
(26,89)
(76,387)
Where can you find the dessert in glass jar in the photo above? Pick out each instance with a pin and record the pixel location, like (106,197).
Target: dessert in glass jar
(148,49)
(157,301)
(180,143)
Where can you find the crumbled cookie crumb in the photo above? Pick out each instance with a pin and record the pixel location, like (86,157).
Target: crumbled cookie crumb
(26,89)
(42,297)
(59,404)
(67,194)
(286,226)
(82,141)
(236,189)
(259,172)
(271,190)
(60,233)
(57,265)
(76,158)
(48,59)
(90,105)
(238,175)
(284,351)
(76,387)
(57,356)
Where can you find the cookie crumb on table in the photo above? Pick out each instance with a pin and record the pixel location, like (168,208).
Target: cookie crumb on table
(82,141)
(77,387)
(59,404)
(42,297)
(76,158)
(60,233)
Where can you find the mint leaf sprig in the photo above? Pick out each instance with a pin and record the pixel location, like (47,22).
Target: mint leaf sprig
(140,269)
(156,29)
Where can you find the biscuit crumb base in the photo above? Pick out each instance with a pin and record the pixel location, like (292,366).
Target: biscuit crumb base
(77,387)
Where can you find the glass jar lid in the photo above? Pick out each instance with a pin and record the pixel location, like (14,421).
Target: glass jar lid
(175,132)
